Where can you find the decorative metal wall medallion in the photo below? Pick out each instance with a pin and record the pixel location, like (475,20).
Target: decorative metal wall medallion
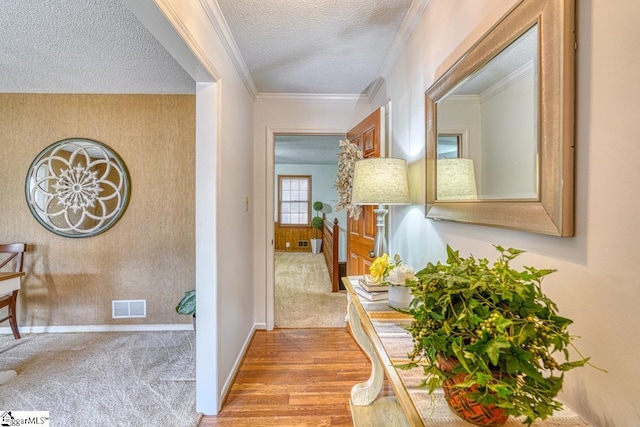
(77,187)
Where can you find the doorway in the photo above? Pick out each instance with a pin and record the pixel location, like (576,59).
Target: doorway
(305,170)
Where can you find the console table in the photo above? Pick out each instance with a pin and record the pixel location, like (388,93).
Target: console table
(381,333)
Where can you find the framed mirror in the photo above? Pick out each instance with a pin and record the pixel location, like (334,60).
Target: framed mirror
(77,187)
(500,142)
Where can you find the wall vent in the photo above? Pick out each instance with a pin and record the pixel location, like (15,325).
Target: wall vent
(126,309)
(303,243)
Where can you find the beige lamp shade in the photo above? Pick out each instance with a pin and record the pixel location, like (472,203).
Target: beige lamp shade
(456,180)
(380,181)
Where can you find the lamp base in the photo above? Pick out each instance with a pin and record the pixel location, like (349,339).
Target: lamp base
(380,243)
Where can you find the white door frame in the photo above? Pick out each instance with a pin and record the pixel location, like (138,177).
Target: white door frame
(269,218)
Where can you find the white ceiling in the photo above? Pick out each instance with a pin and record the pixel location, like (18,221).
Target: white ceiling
(311,46)
(82,46)
(288,46)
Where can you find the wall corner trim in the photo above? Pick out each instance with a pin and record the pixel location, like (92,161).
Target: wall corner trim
(100,328)
(212,9)
(408,25)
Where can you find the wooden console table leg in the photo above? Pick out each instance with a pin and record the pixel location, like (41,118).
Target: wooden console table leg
(365,393)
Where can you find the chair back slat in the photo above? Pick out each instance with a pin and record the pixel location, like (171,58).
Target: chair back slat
(13,251)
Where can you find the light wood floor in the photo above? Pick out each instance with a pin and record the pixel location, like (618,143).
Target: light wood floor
(295,377)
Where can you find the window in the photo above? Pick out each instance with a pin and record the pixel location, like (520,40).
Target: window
(294,200)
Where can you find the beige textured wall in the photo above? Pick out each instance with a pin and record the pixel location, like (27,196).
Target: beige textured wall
(150,253)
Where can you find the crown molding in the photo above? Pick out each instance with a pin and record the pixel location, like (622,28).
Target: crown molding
(463,98)
(214,13)
(174,19)
(374,87)
(408,25)
(526,70)
(311,97)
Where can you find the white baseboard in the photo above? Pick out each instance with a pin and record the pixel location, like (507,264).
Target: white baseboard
(99,328)
(236,366)
(260,326)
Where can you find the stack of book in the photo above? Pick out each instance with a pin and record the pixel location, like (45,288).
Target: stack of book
(371,290)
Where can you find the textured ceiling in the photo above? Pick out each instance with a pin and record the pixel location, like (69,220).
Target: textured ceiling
(289,46)
(311,46)
(82,46)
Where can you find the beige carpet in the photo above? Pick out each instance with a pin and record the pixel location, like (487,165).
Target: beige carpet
(103,379)
(303,297)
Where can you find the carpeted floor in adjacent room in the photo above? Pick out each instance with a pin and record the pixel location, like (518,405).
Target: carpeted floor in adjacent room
(103,378)
(303,297)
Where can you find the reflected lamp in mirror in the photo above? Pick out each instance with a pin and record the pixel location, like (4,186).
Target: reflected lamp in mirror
(380,181)
(456,180)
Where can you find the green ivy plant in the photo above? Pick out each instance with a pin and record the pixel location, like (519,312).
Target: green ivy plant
(503,331)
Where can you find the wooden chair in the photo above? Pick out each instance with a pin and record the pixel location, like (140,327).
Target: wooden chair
(9,252)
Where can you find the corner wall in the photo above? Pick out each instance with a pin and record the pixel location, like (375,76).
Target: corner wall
(225,186)
(596,284)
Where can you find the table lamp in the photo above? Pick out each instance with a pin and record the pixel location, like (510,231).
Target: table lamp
(380,181)
(456,179)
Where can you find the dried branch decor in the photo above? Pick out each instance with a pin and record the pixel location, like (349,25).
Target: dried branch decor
(347,158)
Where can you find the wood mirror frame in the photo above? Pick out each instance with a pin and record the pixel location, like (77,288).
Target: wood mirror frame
(552,213)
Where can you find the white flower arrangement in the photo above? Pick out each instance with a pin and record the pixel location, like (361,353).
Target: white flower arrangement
(400,275)
(347,158)
(390,272)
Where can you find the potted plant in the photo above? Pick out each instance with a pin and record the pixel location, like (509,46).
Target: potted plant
(187,305)
(489,336)
(317,223)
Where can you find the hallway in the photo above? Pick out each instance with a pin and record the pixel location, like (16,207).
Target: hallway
(295,377)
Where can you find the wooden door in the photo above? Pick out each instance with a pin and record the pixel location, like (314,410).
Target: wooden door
(368,135)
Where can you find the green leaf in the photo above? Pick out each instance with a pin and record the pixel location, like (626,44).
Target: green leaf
(483,379)
(493,349)
(515,362)
(187,304)
(502,324)
(467,383)
(575,364)
(502,391)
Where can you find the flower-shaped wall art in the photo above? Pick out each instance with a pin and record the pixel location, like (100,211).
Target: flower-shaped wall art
(77,187)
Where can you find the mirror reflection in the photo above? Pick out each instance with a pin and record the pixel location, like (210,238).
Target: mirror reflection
(493,151)
(518,148)
(77,188)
